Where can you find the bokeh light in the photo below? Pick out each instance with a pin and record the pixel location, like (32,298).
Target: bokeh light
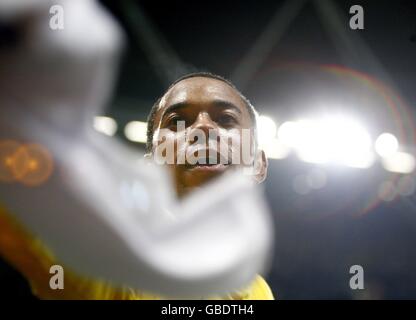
(8,149)
(317,178)
(266,129)
(406,186)
(105,125)
(275,149)
(386,145)
(300,184)
(36,164)
(136,131)
(399,162)
(387,191)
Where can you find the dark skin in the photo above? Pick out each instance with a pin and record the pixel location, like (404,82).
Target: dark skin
(204,104)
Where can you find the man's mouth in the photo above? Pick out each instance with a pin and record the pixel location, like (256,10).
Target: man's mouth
(208,161)
(208,168)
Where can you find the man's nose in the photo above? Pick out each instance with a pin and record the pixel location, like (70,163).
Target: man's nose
(205,125)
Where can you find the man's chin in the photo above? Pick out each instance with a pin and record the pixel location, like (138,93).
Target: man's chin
(200,174)
(191,177)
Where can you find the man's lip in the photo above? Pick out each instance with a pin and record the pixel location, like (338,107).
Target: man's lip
(208,168)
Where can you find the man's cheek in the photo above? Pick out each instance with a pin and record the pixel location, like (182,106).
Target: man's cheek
(247,147)
(238,143)
(164,152)
(179,141)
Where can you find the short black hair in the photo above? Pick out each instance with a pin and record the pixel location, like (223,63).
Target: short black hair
(152,115)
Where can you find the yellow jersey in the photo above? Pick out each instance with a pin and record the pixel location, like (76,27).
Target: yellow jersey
(33,260)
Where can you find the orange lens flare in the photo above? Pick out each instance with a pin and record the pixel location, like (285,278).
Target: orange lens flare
(37,164)
(30,164)
(8,149)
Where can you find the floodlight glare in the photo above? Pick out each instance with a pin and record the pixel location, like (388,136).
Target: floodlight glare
(400,162)
(266,129)
(105,125)
(136,131)
(386,145)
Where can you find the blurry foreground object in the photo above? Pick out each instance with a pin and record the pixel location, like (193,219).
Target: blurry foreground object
(89,200)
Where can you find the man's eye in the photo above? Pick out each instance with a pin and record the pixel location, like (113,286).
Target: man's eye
(227,120)
(176,122)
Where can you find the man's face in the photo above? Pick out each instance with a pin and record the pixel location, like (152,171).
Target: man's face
(207,107)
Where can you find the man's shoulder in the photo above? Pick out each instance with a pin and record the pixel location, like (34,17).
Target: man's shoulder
(257,290)
(260,290)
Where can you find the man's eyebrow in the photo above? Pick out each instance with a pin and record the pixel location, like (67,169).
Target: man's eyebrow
(223,104)
(226,105)
(174,107)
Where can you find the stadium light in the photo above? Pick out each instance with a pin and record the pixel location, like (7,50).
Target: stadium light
(275,149)
(386,145)
(334,139)
(266,128)
(105,125)
(399,162)
(136,131)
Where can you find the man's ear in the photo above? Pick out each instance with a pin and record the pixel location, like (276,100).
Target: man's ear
(260,166)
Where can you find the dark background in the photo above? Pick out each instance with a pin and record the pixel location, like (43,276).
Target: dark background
(321,234)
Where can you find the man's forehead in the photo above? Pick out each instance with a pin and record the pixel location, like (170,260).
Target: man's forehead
(201,90)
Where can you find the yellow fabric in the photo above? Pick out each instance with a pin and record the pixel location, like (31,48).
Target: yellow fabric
(33,260)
